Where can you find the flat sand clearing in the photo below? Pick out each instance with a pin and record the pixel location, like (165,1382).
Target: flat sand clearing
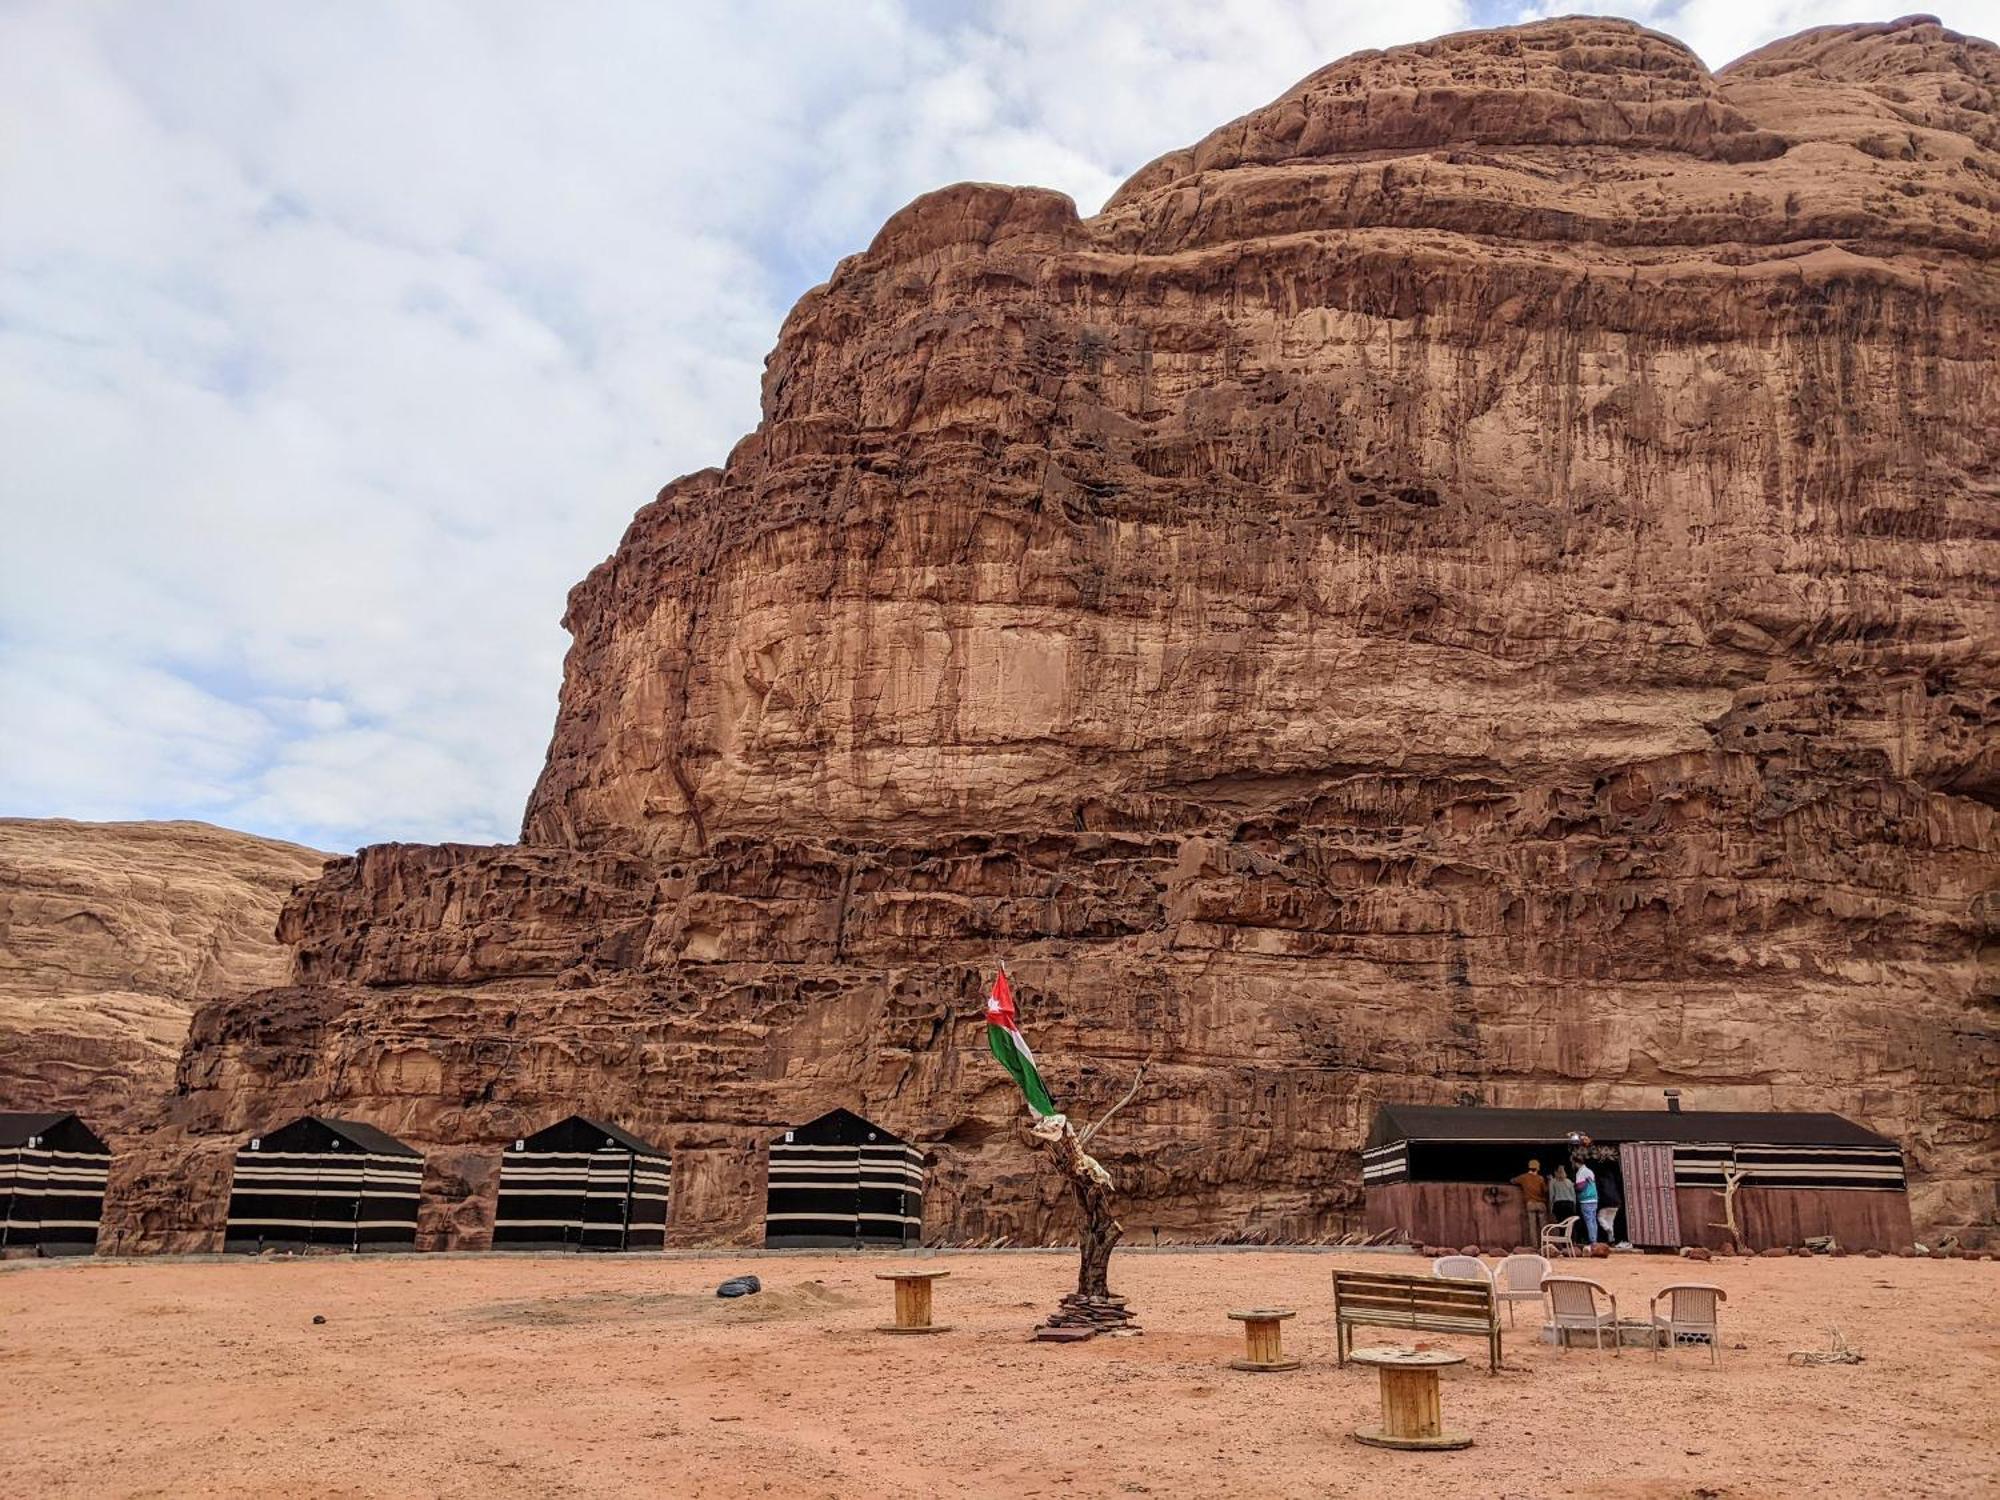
(489,1376)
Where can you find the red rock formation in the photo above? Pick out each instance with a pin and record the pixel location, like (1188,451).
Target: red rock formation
(110,935)
(1476,579)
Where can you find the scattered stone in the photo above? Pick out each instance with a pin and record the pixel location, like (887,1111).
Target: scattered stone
(1050,1333)
(319,1317)
(1098,1314)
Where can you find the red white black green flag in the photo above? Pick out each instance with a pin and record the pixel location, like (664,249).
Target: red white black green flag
(1003,1035)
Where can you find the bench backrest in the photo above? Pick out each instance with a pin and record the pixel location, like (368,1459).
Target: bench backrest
(1365,1296)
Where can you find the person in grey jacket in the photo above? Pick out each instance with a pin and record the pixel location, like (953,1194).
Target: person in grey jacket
(1562,1197)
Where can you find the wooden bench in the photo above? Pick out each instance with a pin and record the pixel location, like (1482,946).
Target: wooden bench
(1430,1304)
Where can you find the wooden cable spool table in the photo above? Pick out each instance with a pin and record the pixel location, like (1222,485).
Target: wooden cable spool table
(1412,1416)
(1263,1339)
(913,1301)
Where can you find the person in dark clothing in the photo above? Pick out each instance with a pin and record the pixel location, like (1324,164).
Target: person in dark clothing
(1609,1201)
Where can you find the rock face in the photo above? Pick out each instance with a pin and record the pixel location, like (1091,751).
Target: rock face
(110,935)
(1476,580)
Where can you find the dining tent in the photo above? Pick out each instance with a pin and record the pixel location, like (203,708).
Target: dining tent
(52,1173)
(582,1185)
(324,1184)
(841,1180)
(1443,1174)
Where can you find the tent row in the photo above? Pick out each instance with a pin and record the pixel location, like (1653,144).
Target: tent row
(321,1183)
(581,1184)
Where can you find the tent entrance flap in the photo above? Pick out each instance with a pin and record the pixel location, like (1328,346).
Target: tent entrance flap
(607,1198)
(1652,1214)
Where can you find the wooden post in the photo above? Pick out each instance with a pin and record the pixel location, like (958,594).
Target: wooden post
(913,1301)
(1263,1340)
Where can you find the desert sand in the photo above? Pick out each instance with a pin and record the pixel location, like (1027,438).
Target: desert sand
(501,1376)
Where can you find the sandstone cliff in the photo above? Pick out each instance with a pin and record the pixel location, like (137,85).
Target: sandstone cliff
(110,935)
(1476,579)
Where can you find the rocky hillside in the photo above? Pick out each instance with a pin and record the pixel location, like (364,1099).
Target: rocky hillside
(1476,580)
(110,935)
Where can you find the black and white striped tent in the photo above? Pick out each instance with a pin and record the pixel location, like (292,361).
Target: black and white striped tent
(582,1185)
(325,1185)
(52,1171)
(843,1181)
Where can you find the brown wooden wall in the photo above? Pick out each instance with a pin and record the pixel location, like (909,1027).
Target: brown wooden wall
(1452,1214)
(1785,1217)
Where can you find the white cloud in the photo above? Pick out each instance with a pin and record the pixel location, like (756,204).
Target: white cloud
(338,341)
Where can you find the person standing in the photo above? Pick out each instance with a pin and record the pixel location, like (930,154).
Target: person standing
(1586,1199)
(1535,1198)
(1562,1198)
(1609,1201)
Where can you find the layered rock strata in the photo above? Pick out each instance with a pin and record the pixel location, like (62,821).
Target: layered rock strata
(110,935)
(1474,581)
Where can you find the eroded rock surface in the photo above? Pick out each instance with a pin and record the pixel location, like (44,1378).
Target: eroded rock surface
(110,935)
(1475,580)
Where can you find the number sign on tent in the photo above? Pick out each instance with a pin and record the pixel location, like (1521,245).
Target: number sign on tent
(582,1185)
(843,1181)
(322,1184)
(52,1171)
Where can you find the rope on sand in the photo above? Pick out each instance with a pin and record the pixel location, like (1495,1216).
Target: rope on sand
(1837,1352)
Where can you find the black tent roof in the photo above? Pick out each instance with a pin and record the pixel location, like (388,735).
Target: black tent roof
(362,1137)
(842,1127)
(18,1127)
(1424,1122)
(612,1133)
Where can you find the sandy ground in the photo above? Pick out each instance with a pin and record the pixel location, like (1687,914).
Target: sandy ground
(482,1376)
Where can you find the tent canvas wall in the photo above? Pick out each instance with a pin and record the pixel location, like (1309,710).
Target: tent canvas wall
(52,1172)
(324,1184)
(1441,1174)
(840,1180)
(582,1185)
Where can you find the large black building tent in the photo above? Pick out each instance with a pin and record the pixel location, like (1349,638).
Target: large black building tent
(324,1184)
(52,1171)
(1446,1175)
(1803,1150)
(582,1185)
(843,1181)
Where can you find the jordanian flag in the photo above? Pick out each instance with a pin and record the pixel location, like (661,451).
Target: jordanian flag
(1003,1035)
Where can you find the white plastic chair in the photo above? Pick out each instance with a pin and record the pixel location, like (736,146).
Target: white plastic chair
(1691,1309)
(1573,1305)
(1559,1238)
(1519,1279)
(1461,1267)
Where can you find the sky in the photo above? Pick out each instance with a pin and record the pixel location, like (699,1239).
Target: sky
(338,340)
